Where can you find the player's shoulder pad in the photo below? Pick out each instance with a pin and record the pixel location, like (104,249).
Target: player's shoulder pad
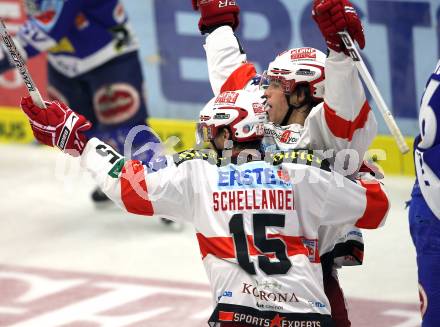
(299,156)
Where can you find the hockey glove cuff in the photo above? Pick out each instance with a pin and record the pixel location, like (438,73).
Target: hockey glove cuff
(216,13)
(333,16)
(58,125)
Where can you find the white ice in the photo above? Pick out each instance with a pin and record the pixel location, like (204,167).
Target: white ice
(48,221)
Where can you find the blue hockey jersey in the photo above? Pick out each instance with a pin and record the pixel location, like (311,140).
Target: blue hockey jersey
(78,35)
(427,144)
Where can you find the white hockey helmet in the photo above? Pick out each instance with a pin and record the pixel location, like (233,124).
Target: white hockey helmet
(242,112)
(299,66)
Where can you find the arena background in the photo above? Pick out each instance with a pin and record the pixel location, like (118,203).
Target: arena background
(402,49)
(65,262)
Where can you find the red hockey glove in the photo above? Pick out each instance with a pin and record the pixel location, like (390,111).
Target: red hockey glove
(333,16)
(216,13)
(58,125)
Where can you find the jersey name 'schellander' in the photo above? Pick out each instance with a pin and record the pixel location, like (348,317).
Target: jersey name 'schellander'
(255,256)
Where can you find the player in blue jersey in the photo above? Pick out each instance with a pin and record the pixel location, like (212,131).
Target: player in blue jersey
(424,212)
(93,65)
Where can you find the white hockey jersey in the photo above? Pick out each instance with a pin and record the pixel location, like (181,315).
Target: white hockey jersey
(251,221)
(343,121)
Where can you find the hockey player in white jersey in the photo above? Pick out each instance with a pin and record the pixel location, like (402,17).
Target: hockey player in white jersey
(301,114)
(424,212)
(251,219)
(313,102)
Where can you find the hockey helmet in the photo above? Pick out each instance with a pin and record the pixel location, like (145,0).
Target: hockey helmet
(242,112)
(298,66)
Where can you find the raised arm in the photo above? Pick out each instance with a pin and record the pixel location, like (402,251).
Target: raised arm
(346,119)
(167,192)
(227,66)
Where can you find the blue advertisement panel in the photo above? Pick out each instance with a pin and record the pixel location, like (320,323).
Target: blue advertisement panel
(403,46)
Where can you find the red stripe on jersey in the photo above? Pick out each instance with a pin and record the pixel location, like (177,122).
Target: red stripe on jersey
(223,247)
(358,253)
(239,78)
(294,245)
(345,128)
(377,206)
(134,192)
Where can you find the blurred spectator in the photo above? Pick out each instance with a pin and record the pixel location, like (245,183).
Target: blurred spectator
(93,65)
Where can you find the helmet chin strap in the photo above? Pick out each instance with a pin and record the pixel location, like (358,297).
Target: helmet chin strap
(289,111)
(291,108)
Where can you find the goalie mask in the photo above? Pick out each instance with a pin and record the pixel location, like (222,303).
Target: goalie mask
(242,112)
(298,66)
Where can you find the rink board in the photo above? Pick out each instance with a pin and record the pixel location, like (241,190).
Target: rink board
(14,128)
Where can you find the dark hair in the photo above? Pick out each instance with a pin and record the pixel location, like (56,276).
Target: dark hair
(247,145)
(256,144)
(309,100)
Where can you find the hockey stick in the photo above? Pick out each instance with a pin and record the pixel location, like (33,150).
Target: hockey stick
(16,60)
(386,114)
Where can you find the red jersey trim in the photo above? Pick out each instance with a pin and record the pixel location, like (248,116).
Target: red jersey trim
(223,247)
(359,254)
(377,206)
(225,316)
(134,192)
(345,128)
(239,78)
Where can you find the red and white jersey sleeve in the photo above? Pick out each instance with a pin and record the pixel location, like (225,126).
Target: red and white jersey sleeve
(346,195)
(255,222)
(344,120)
(167,192)
(225,56)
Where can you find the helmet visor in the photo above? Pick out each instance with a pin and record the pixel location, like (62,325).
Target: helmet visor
(264,81)
(288,86)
